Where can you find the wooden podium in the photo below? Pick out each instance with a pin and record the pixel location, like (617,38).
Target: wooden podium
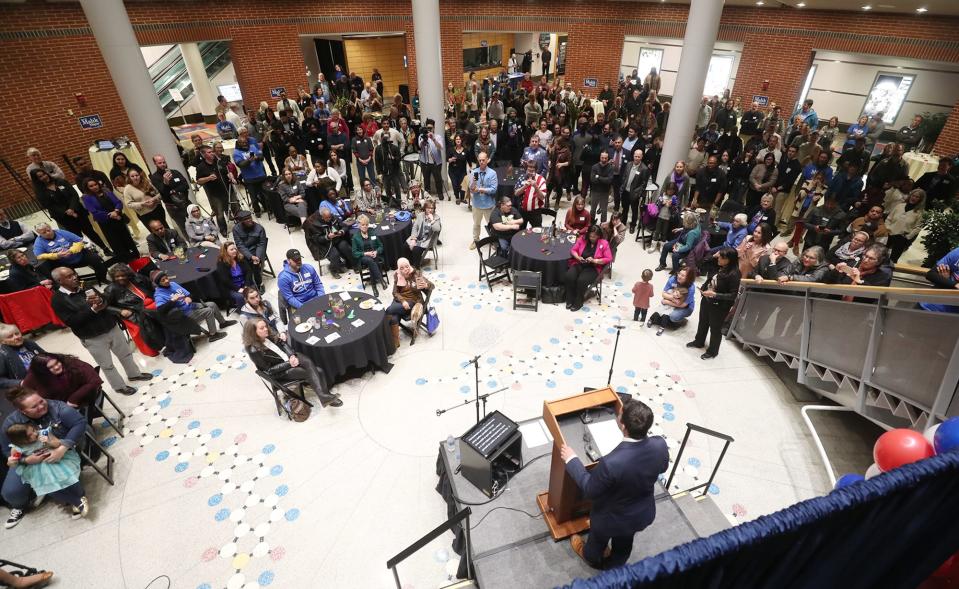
(565,510)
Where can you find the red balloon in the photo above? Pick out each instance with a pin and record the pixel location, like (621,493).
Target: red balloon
(900,446)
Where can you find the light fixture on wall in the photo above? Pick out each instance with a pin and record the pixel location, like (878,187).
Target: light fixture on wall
(867,7)
(801,5)
(922,9)
(759,2)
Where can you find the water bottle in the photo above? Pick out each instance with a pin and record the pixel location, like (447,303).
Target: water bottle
(450,443)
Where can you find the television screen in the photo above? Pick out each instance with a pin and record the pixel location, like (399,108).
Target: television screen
(231,92)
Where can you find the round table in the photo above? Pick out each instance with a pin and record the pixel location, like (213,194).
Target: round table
(363,339)
(195,272)
(411,164)
(920,163)
(394,236)
(526,253)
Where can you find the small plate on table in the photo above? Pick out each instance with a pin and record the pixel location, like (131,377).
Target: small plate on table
(303,327)
(537,229)
(367,304)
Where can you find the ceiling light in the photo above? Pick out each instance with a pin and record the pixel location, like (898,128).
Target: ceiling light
(760,3)
(801,5)
(867,7)
(920,10)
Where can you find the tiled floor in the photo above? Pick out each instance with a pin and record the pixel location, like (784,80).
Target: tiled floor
(214,490)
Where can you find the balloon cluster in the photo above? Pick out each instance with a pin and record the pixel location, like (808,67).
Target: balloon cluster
(902,446)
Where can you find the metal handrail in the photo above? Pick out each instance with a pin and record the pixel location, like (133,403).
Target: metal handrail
(464,514)
(940,295)
(690,427)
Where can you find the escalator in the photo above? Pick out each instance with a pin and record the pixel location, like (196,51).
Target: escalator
(169,72)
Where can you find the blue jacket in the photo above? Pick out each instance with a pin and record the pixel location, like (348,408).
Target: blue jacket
(952,260)
(734,237)
(253,170)
(299,287)
(100,214)
(162,296)
(61,242)
(64,422)
(487,181)
(621,485)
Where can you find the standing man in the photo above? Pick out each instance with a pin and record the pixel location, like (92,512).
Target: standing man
(704,116)
(174,191)
(213,176)
(617,159)
(751,123)
(600,179)
(547,60)
(635,179)
(38,163)
(537,154)
(431,158)
(290,106)
(807,114)
(531,192)
(249,159)
(86,314)
(482,193)
(710,186)
(387,156)
(620,487)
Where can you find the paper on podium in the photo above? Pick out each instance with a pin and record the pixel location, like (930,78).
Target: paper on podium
(535,433)
(606,435)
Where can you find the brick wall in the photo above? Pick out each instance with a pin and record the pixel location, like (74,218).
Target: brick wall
(47,52)
(948,142)
(383,53)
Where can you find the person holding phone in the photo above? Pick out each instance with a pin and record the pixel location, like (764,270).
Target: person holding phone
(482,194)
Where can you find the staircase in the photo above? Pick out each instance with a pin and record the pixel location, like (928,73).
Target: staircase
(702,513)
(169,71)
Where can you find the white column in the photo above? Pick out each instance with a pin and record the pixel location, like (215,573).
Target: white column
(701,30)
(114,34)
(205,97)
(429,67)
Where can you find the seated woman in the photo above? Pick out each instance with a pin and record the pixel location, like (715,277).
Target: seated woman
(297,164)
(753,248)
(130,296)
(201,230)
(614,231)
(319,182)
(291,191)
(682,244)
(271,355)
(578,218)
(234,273)
(64,378)
(410,289)
(426,230)
(678,302)
(810,267)
(23,274)
(367,251)
(337,206)
(255,306)
(590,255)
(367,198)
(873,269)
(849,251)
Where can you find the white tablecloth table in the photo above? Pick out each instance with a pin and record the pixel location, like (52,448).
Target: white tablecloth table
(920,163)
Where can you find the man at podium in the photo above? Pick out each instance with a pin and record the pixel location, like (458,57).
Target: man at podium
(620,487)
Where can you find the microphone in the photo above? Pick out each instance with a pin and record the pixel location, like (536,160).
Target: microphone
(439,412)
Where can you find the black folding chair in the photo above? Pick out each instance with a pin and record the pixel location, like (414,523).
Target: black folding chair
(406,324)
(276,387)
(91,451)
(366,277)
(596,288)
(95,410)
(492,266)
(529,284)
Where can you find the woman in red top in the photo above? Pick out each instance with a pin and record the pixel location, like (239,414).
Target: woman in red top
(578,218)
(64,378)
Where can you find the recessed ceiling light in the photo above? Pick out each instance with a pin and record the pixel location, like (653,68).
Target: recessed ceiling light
(920,10)
(867,7)
(801,5)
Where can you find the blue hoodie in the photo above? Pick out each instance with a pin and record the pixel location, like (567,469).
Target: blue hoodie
(299,287)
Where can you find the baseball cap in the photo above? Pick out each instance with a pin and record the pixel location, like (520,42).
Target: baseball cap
(293,254)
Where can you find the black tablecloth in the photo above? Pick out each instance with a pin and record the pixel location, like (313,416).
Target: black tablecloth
(394,239)
(357,347)
(526,254)
(196,273)
(717,236)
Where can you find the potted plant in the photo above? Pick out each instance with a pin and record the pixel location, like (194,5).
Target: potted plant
(941,234)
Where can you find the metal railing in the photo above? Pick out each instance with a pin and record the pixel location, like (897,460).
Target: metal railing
(691,427)
(463,515)
(879,353)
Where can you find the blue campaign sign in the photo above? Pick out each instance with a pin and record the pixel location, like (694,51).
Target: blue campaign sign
(91,122)
(275,92)
(761,100)
(591,83)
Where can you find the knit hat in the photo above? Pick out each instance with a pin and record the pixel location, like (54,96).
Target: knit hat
(156,275)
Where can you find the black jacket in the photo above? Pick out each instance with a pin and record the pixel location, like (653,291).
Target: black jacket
(601,177)
(62,197)
(266,360)
(789,171)
(166,244)
(387,158)
(152,322)
(74,310)
(640,180)
(225,279)
(771,271)
(12,370)
(725,285)
(251,242)
(316,231)
(24,277)
(176,194)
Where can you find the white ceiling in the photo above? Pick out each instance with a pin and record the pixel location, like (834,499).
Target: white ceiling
(934,7)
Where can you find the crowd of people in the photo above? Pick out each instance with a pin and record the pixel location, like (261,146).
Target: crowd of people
(842,216)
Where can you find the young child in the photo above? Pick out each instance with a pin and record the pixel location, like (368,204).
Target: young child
(60,480)
(642,292)
(668,205)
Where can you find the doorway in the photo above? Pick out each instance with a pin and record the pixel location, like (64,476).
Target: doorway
(331,53)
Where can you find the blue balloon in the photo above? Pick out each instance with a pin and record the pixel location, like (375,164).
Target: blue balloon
(848,479)
(947,436)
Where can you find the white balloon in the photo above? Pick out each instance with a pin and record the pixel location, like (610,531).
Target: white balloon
(930,433)
(873,471)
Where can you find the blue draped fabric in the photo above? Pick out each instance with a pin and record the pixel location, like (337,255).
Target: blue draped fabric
(889,532)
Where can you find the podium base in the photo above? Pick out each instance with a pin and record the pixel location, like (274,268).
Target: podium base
(560,530)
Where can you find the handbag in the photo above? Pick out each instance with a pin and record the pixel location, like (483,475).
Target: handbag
(298,410)
(432,320)
(553,295)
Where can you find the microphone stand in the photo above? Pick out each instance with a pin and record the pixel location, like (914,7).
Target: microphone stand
(612,362)
(467,402)
(475,363)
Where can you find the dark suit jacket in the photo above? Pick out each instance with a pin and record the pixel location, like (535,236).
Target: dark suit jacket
(621,485)
(636,188)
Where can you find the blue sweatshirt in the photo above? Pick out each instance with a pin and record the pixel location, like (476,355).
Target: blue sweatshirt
(299,287)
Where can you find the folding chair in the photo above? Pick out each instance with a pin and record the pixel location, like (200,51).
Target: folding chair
(95,409)
(492,267)
(90,451)
(596,288)
(366,277)
(529,284)
(275,387)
